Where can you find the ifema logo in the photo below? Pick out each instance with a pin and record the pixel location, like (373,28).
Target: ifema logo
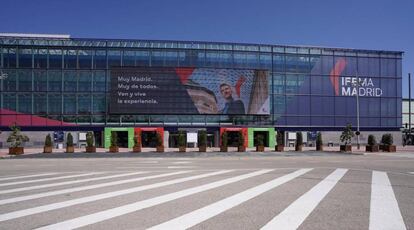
(352,86)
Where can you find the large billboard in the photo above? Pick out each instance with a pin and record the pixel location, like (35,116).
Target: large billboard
(163,90)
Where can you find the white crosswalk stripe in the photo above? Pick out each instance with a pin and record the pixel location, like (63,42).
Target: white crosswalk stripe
(54,206)
(27,176)
(76,189)
(245,188)
(209,211)
(293,216)
(122,210)
(384,211)
(49,179)
(65,183)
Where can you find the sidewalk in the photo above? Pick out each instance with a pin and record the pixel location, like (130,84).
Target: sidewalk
(216,150)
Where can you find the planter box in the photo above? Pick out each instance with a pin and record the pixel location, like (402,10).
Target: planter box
(16,150)
(47,149)
(223,149)
(319,148)
(279,148)
(202,148)
(298,148)
(160,149)
(346,148)
(91,149)
(136,149)
(182,149)
(113,149)
(241,149)
(371,148)
(260,148)
(70,149)
(390,148)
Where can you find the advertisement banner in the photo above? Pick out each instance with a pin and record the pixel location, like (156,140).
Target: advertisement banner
(160,90)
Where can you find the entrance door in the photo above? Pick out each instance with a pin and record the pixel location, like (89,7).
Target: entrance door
(149,139)
(233,138)
(265,135)
(173,140)
(122,138)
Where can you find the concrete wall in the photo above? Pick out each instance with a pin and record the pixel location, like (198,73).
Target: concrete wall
(37,138)
(334,137)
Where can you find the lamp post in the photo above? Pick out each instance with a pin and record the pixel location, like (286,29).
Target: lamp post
(357,84)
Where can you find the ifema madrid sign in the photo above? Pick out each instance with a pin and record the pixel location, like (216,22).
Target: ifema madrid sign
(366,87)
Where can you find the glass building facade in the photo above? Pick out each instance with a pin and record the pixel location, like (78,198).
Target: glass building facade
(65,82)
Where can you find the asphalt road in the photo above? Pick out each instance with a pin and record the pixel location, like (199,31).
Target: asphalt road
(288,191)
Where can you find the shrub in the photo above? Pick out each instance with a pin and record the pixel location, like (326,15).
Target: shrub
(114,139)
(260,140)
(347,134)
(319,139)
(48,141)
(181,139)
(90,139)
(387,139)
(299,139)
(202,138)
(241,138)
(69,140)
(159,139)
(16,138)
(224,139)
(371,140)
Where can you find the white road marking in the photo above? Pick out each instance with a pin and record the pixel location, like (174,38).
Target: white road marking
(384,212)
(294,215)
(180,167)
(195,217)
(77,189)
(125,209)
(65,183)
(27,176)
(181,162)
(49,207)
(50,178)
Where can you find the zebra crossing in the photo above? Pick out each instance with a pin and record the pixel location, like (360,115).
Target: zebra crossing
(96,200)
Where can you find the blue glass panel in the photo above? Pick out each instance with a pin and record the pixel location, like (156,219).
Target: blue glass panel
(25,58)
(69,104)
(85,81)
(84,103)
(40,58)
(55,58)
(39,81)
(24,103)
(55,103)
(25,80)
(99,60)
(70,81)
(85,59)
(40,103)
(114,58)
(70,59)
(278,63)
(388,67)
(55,81)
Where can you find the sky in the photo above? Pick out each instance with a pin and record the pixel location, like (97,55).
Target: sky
(361,24)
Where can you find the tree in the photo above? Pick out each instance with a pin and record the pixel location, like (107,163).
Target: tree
(16,138)
(69,140)
(89,139)
(48,141)
(347,135)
